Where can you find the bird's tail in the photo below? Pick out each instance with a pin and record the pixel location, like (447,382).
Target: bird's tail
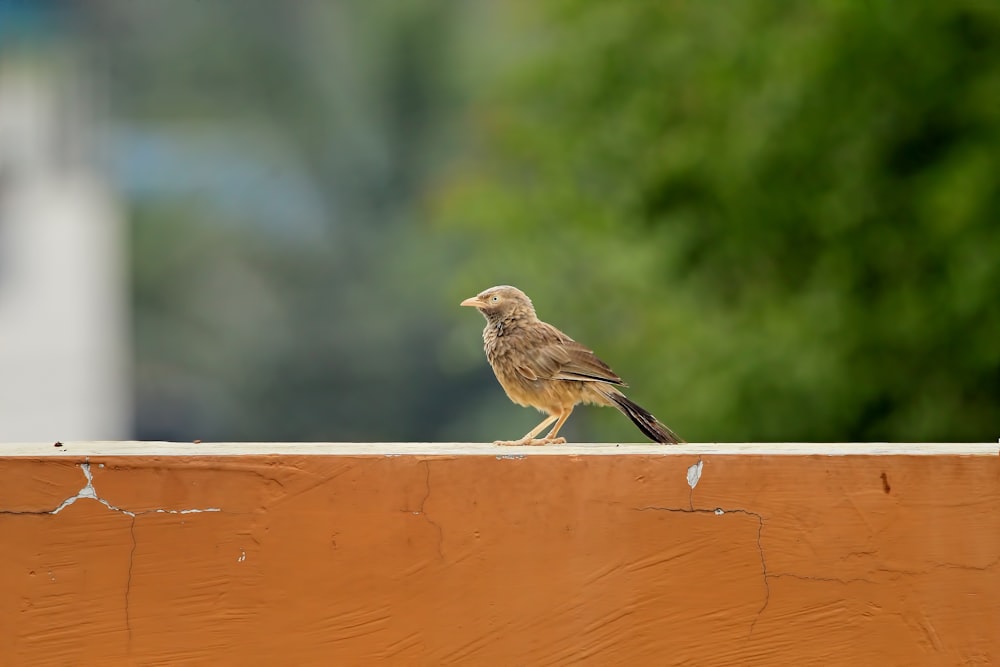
(653,428)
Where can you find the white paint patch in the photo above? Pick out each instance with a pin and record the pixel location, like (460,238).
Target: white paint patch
(694,473)
(88,491)
(719,511)
(243,556)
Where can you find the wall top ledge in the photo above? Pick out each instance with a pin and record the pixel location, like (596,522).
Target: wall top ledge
(452,449)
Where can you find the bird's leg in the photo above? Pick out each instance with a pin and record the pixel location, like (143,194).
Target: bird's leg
(529,437)
(551,437)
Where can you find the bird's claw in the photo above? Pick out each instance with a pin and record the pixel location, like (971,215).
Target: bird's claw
(530,442)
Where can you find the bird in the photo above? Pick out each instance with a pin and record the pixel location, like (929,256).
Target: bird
(541,367)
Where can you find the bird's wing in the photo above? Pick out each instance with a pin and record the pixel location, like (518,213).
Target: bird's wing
(556,356)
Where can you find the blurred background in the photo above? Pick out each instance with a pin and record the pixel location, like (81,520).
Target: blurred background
(254,220)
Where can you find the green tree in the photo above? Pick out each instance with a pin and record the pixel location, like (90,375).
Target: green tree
(777,221)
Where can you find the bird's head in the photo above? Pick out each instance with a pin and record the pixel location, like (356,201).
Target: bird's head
(501,302)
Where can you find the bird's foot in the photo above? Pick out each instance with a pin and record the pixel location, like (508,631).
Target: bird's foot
(527,442)
(554,441)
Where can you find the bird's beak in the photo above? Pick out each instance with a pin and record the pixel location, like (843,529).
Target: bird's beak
(472,301)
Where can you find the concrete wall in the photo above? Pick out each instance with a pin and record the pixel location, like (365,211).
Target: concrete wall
(151,553)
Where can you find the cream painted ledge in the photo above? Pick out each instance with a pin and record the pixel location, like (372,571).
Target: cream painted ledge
(156,448)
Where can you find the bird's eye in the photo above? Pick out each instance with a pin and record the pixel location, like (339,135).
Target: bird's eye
(495,298)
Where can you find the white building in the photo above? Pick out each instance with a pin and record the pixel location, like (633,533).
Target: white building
(64,325)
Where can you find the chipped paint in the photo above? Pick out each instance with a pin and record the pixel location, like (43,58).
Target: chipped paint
(89,492)
(694,474)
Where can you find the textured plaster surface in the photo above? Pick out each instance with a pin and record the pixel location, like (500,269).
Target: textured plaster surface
(676,556)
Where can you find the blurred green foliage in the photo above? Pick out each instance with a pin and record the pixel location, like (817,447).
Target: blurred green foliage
(777,221)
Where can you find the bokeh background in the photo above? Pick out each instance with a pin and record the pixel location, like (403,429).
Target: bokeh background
(254,220)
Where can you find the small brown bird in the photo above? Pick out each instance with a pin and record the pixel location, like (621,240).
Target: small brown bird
(541,367)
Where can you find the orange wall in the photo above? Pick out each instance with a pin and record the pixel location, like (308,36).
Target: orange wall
(475,559)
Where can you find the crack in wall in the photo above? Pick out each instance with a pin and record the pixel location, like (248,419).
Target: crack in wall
(693,476)
(893,572)
(128,580)
(718,511)
(419,511)
(90,492)
(938,566)
(806,577)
